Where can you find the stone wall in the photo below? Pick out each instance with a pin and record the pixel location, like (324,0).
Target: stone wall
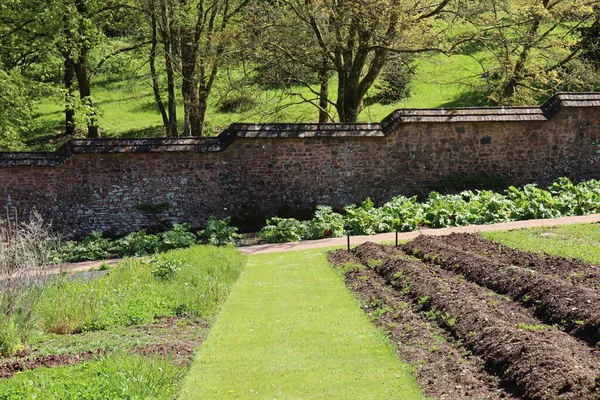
(255,171)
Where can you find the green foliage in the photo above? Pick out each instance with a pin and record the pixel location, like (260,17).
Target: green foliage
(365,219)
(219,232)
(166,267)
(92,247)
(136,244)
(118,376)
(325,223)
(16,109)
(531,202)
(280,230)
(441,211)
(178,237)
(394,84)
(10,336)
(195,280)
(403,214)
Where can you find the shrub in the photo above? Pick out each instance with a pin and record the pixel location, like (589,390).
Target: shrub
(136,244)
(394,82)
(92,247)
(177,238)
(236,103)
(403,214)
(365,219)
(219,232)
(281,230)
(325,223)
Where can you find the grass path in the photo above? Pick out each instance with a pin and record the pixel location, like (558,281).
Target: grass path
(291,330)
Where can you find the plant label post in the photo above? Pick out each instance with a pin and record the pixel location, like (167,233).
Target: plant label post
(396,238)
(348,236)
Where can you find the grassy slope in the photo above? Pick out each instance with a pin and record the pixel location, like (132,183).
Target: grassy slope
(574,241)
(127,106)
(290,329)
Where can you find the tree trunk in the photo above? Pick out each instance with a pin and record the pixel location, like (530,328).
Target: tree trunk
(69,100)
(85,93)
(324,93)
(167,34)
(155,86)
(189,85)
(201,115)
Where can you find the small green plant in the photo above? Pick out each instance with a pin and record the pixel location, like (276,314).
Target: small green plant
(166,268)
(219,232)
(531,328)
(10,337)
(104,267)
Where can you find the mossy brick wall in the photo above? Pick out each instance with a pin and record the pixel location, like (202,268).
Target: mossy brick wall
(254,171)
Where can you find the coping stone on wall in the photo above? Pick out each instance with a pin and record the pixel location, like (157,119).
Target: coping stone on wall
(301,131)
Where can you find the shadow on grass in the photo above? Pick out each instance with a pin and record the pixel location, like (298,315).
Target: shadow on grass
(471,98)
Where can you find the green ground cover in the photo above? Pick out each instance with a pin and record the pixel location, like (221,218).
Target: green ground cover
(574,241)
(135,328)
(290,329)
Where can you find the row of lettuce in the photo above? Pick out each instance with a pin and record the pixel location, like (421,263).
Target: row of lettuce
(562,198)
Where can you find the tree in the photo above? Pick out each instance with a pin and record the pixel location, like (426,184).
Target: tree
(530,43)
(15,112)
(70,29)
(355,39)
(196,36)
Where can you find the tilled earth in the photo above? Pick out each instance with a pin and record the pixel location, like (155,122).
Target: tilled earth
(478,320)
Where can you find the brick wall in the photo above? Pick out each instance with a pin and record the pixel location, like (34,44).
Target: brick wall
(254,171)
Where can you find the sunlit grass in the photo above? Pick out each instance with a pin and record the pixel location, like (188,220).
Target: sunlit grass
(291,329)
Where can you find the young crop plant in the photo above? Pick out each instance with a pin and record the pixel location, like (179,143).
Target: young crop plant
(219,232)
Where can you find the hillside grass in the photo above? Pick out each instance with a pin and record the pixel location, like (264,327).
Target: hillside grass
(127,108)
(291,330)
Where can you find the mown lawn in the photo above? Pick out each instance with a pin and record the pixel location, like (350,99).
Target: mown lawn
(291,330)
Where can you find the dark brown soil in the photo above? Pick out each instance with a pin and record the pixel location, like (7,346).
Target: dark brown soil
(537,361)
(555,300)
(442,369)
(576,271)
(9,368)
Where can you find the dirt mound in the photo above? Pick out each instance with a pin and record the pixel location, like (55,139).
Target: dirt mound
(572,270)
(556,300)
(441,368)
(536,360)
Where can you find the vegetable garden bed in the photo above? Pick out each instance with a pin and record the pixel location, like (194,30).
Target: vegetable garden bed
(456,309)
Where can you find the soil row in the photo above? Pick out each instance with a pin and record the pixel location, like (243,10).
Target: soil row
(572,270)
(443,370)
(556,301)
(541,362)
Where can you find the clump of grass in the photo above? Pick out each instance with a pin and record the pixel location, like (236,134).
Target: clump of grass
(122,376)
(134,293)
